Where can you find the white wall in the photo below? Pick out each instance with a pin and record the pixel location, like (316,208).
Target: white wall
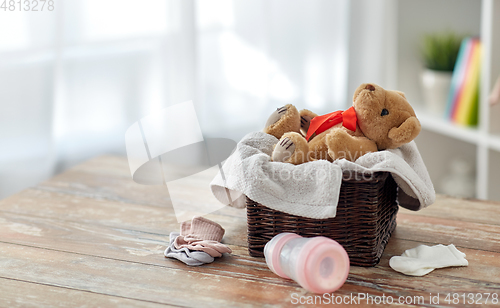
(416,18)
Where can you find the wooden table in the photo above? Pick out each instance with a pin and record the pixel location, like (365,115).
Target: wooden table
(92,237)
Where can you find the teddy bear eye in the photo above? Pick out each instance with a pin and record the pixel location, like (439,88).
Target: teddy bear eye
(384,112)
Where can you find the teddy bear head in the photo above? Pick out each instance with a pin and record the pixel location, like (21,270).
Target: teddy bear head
(385,116)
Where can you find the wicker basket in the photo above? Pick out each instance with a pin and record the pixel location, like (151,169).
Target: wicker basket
(365,219)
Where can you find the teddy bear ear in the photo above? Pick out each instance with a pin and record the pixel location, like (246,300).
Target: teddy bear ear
(401,93)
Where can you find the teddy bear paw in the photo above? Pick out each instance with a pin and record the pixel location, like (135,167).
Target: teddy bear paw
(343,145)
(305,120)
(291,148)
(276,115)
(338,142)
(283,150)
(283,120)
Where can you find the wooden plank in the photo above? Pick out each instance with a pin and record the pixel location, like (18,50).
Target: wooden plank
(105,164)
(41,203)
(147,248)
(119,244)
(359,283)
(477,211)
(445,231)
(136,281)
(483,265)
(97,179)
(75,230)
(16,293)
(160,220)
(109,178)
(192,288)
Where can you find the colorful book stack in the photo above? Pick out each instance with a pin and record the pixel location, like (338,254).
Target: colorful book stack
(463,100)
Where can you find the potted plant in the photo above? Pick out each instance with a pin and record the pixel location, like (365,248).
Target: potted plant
(439,53)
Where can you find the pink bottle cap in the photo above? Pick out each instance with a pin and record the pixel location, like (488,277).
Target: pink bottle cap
(322,266)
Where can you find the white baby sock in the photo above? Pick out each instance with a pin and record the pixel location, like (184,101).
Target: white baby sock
(423,259)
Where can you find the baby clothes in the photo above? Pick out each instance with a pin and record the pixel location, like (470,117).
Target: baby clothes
(193,258)
(203,229)
(423,259)
(213,248)
(202,234)
(198,242)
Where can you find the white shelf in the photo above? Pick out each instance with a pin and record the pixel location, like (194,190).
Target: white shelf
(442,126)
(494,142)
(464,17)
(445,127)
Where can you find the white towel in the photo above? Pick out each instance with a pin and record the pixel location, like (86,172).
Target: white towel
(312,189)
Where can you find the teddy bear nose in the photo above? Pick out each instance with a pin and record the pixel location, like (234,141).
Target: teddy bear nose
(370,87)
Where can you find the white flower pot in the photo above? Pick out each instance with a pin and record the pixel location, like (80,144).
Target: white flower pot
(436,87)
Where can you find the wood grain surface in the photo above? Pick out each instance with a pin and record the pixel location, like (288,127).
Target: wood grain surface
(91,237)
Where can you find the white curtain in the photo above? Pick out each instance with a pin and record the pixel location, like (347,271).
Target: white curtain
(255,56)
(72,80)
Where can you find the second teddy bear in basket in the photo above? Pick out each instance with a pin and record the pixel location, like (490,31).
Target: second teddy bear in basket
(378,120)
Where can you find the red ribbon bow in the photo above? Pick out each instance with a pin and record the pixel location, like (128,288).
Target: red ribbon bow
(321,123)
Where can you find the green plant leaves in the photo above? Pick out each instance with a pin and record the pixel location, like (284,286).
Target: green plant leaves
(440,50)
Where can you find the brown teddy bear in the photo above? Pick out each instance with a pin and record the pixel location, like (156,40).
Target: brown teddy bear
(379,119)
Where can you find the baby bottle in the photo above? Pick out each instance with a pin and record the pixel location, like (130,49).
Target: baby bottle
(318,264)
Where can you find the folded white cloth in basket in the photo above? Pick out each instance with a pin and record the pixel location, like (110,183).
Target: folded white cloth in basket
(312,189)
